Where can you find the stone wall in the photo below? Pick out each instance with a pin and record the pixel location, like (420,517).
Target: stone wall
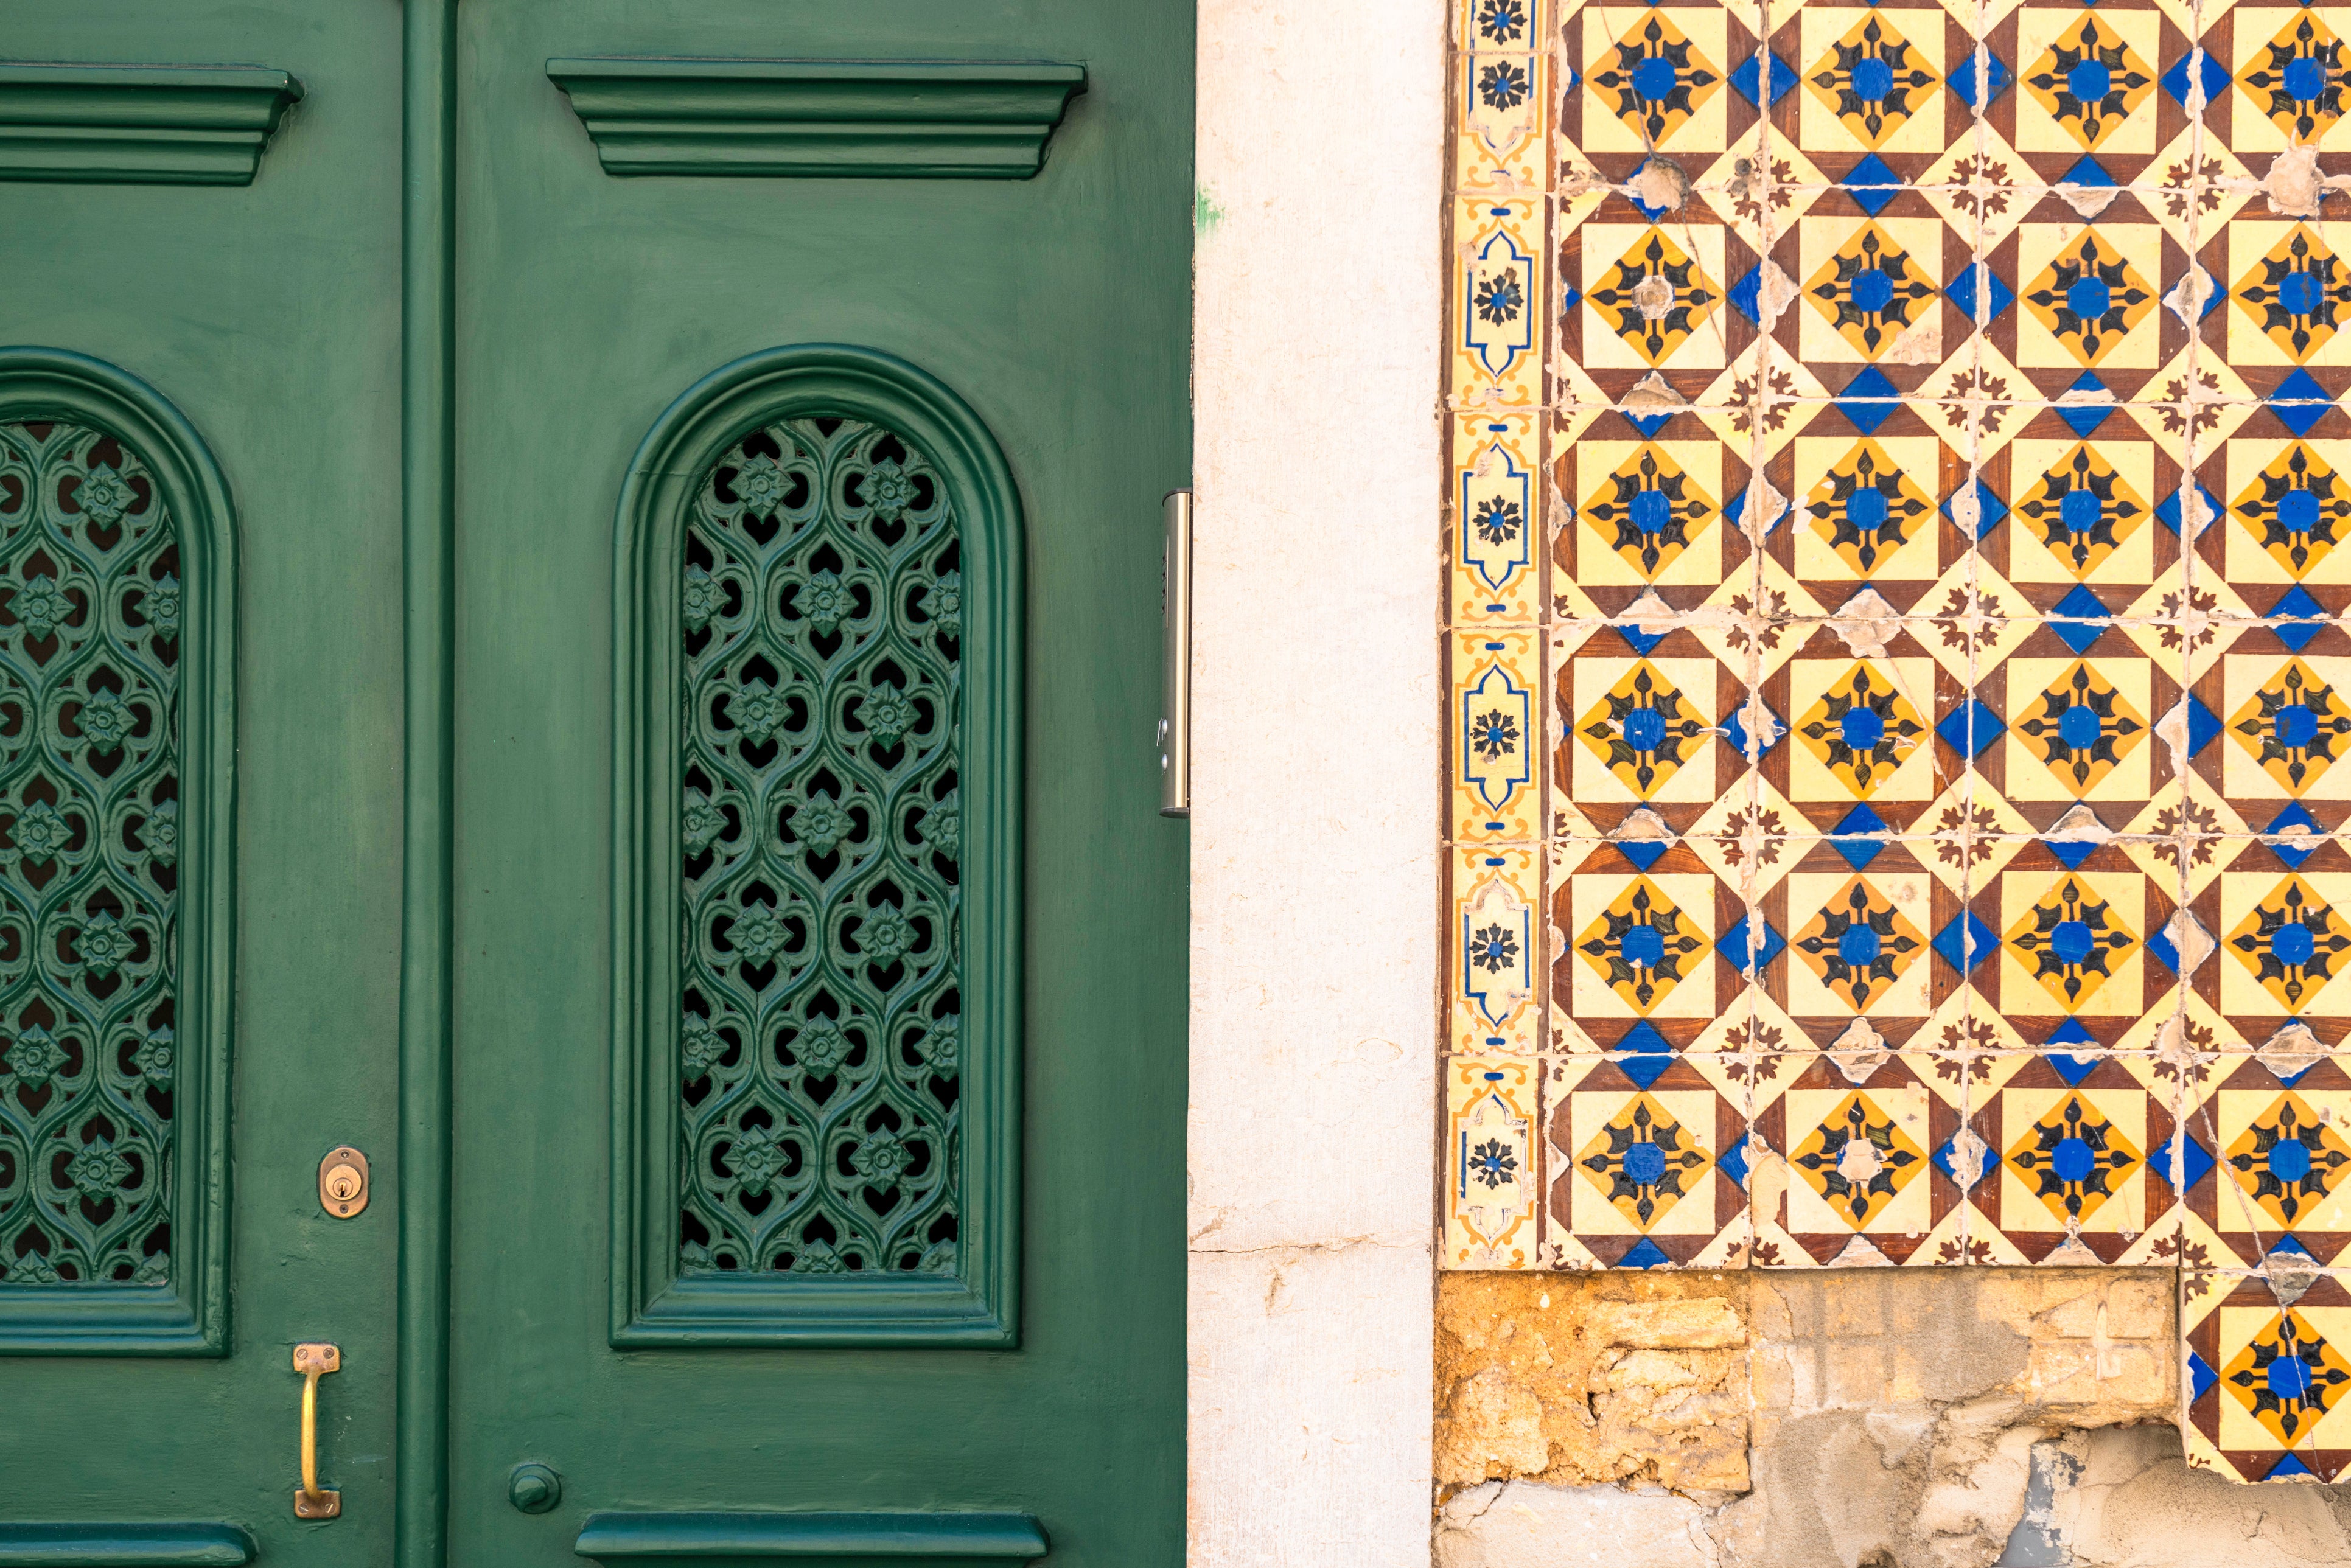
(1868,1419)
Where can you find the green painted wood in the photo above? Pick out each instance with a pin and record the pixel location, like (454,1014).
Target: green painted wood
(654,1302)
(1056,309)
(186,1311)
(149,125)
(808,119)
(194,1545)
(268,316)
(900,1540)
(428,445)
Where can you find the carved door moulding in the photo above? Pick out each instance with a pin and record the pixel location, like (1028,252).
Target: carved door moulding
(117,655)
(139,125)
(817,1028)
(810,119)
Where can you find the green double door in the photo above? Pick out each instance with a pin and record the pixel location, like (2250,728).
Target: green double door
(579,592)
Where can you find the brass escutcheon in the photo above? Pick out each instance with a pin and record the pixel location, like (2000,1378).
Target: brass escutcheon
(343,1183)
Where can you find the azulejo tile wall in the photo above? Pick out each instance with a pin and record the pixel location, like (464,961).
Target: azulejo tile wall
(1898,534)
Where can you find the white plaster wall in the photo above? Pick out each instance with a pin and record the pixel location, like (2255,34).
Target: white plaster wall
(1315,781)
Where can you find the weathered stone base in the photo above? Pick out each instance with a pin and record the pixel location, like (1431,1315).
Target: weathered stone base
(1865,1418)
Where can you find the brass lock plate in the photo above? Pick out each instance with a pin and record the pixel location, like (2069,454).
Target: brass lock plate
(343,1183)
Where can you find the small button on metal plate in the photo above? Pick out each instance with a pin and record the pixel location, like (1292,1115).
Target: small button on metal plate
(343,1183)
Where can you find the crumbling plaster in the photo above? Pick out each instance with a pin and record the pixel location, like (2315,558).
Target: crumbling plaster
(1850,1419)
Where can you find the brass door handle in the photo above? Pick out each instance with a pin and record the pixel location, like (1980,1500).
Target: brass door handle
(314,1362)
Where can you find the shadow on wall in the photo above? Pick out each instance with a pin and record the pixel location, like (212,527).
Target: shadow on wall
(1972,1419)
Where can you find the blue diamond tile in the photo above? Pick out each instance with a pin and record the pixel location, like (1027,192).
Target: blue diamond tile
(1568,295)
(1643,853)
(2202,725)
(1748,79)
(1643,1254)
(2193,1161)
(2200,1376)
(1751,955)
(1850,838)
(1970,727)
(2204,71)
(1634,184)
(2167,511)
(1733,1163)
(1752,747)
(2300,403)
(1965,943)
(1868,400)
(2072,1069)
(1989,510)
(1872,184)
(2293,854)
(2091,405)
(2302,618)
(1648,424)
(2160,945)
(1642,641)
(2087,170)
(2069,1031)
(1947,1161)
(1649,1053)
(2071,853)
(2290,1465)
(1978,284)
(2079,620)
(1747,294)
(1979,78)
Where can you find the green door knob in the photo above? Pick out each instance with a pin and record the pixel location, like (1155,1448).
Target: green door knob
(534,1488)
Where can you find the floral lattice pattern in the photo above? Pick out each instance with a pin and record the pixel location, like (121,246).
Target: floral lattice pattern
(819,1072)
(90,660)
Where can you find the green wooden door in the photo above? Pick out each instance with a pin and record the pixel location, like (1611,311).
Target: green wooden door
(821,968)
(200,791)
(686,531)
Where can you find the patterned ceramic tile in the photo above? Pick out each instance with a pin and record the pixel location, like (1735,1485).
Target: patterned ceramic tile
(1648,1162)
(1852,1158)
(2267,1383)
(1491,1155)
(1898,596)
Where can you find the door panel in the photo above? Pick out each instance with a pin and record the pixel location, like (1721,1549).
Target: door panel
(1055,309)
(266,317)
(984,1349)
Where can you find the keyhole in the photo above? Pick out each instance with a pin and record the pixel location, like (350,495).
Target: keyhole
(343,1182)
